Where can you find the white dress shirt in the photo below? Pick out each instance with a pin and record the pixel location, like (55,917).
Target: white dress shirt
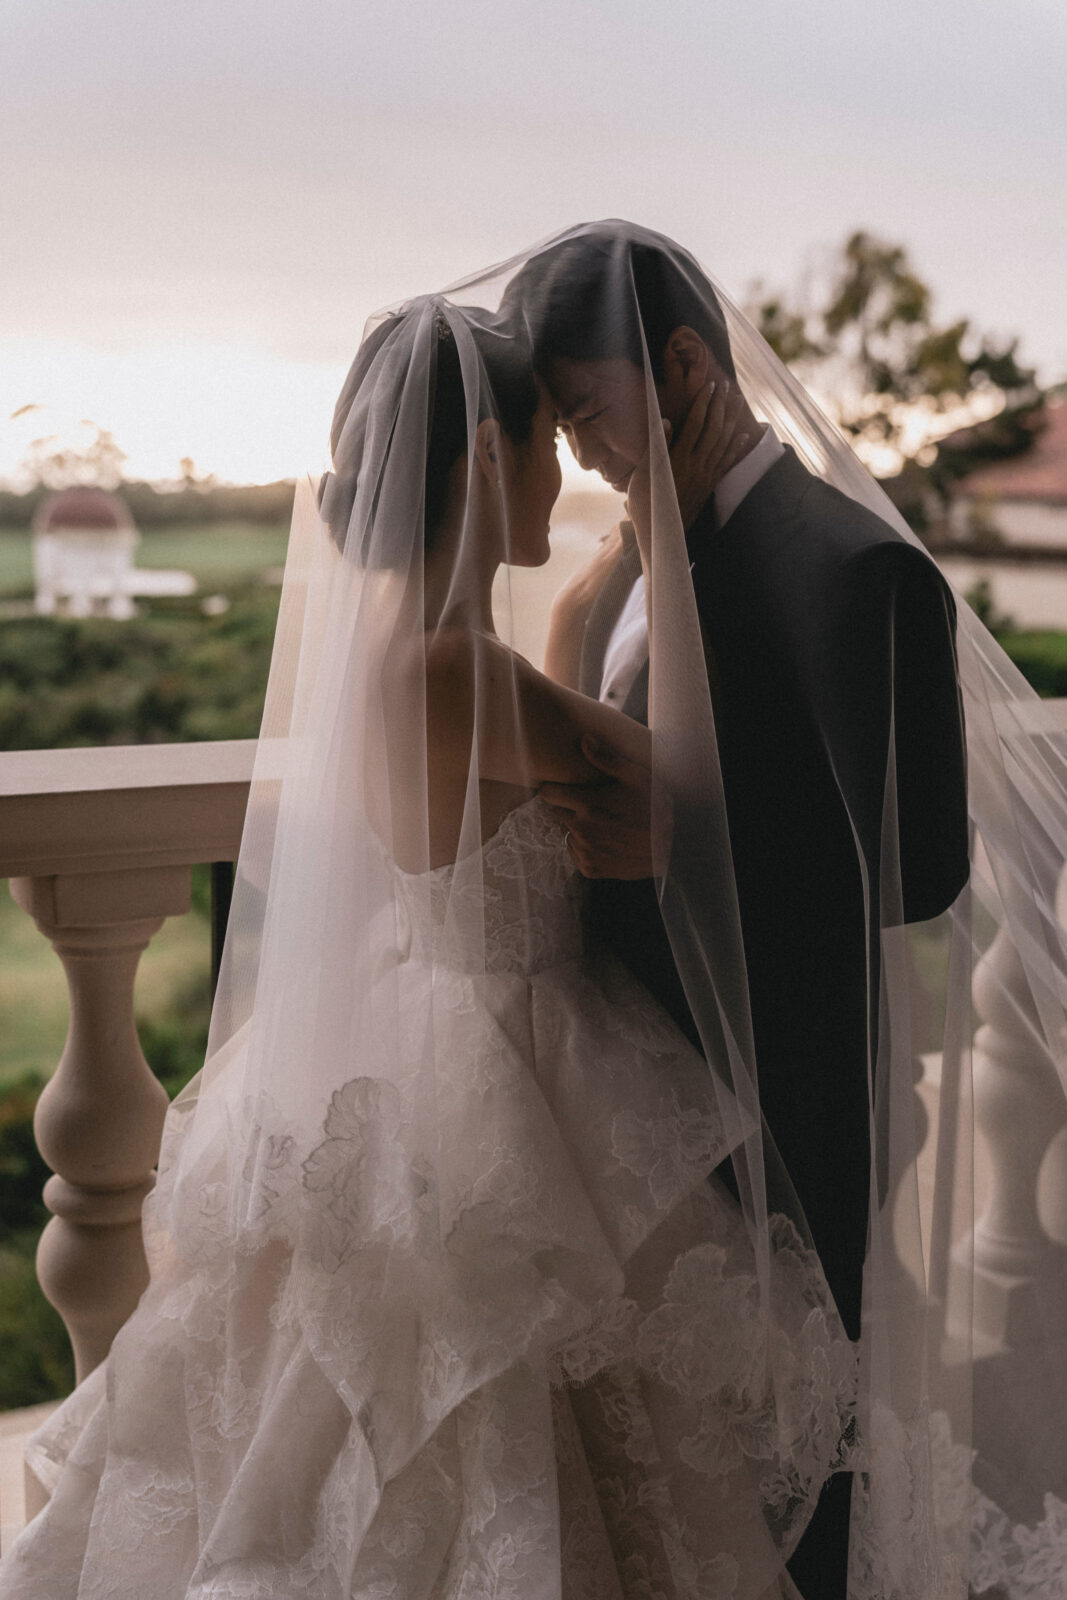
(627,649)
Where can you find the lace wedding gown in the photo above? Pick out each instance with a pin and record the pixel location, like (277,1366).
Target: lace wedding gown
(524,1361)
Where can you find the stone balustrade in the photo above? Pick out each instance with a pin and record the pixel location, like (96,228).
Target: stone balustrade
(99,846)
(1020,1239)
(1008,1276)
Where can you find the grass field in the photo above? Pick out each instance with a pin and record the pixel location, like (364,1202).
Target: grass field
(33,989)
(217,554)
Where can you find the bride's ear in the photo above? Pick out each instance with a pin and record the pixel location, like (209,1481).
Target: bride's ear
(487,450)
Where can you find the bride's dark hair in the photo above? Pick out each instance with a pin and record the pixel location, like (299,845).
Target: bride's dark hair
(507,390)
(577,298)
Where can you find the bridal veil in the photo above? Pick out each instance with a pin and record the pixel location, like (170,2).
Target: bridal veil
(370,1221)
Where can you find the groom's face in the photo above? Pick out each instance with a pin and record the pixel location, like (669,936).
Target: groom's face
(602,411)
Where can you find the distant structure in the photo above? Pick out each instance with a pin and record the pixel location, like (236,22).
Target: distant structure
(83,544)
(1021,500)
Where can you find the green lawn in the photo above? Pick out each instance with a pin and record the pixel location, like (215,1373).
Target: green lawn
(217,554)
(33,990)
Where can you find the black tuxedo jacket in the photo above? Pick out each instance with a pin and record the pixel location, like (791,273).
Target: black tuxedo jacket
(823,623)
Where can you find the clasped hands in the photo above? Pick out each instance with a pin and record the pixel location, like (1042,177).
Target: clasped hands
(608,821)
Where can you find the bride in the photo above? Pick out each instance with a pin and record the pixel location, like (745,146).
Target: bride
(471,1275)
(445,1297)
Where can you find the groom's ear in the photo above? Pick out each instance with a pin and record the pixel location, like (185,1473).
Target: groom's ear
(686,360)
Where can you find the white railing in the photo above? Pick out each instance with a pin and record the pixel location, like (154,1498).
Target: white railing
(98,845)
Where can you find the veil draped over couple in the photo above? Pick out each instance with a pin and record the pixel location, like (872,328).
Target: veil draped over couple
(556,1215)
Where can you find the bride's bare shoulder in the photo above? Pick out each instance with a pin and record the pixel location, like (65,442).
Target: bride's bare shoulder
(441,659)
(460,661)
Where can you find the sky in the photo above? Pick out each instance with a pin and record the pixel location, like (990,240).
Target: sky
(201,201)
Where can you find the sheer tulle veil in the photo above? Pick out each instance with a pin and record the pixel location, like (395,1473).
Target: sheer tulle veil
(313,899)
(364,1210)
(930,1448)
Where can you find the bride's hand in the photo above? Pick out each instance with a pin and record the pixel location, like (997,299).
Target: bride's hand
(716,434)
(571,608)
(576,597)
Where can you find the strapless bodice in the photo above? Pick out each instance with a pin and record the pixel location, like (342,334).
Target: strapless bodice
(512,907)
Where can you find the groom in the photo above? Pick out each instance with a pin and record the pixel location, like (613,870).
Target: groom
(820,620)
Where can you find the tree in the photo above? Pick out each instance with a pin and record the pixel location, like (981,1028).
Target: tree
(91,456)
(865,340)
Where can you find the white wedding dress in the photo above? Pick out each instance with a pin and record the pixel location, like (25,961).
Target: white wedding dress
(524,1359)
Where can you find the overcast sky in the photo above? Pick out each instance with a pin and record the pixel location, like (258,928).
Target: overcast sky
(202,200)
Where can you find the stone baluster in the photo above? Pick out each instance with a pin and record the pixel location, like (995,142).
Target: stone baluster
(1014,1266)
(99,1118)
(1019,1111)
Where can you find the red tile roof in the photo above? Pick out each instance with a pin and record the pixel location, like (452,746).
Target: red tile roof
(1039,473)
(81,507)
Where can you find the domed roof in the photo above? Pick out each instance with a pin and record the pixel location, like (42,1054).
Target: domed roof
(82,507)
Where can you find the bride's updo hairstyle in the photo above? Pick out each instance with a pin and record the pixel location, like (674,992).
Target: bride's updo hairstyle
(577,299)
(423,332)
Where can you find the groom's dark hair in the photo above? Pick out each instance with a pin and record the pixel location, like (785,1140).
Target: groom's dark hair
(578,298)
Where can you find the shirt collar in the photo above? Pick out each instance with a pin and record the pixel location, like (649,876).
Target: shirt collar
(740,480)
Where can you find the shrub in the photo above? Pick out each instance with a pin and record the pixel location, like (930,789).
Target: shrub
(1042,659)
(168,676)
(23,1174)
(35,1356)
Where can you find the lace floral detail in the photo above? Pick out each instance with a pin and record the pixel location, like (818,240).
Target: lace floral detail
(709,1341)
(606,1340)
(153,1505)
(360,1173)
(672,1151)
(922,1530)
(222,1406)
(1015,1561)
(513,907)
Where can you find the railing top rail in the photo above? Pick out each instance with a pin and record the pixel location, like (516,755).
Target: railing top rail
(122,807)
(114,768)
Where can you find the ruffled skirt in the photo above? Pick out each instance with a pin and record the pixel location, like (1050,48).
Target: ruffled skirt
(516,1346)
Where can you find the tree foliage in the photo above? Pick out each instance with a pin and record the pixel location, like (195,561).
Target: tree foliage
(865,337)
(90,456)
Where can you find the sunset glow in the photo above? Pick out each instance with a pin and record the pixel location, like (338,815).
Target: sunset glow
(201,205)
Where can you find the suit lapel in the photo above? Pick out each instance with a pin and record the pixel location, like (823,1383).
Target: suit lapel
(768,504)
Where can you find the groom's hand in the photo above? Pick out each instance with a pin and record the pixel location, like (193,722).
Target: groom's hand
(718,432)
(608,822)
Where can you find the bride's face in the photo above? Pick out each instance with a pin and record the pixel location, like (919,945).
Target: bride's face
(531,484)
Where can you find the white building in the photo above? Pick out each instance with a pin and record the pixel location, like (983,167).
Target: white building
(1022,499)
(83,544)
